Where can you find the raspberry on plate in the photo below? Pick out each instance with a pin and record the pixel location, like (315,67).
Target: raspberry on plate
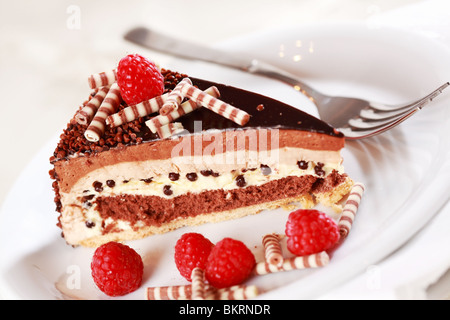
(117,269)
(191,250)
(138,79)
(310,231)
(229,264)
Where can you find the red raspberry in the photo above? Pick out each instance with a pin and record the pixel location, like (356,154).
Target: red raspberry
(191,250)
(229,263)
(310,231)
(117,269)
(139,79)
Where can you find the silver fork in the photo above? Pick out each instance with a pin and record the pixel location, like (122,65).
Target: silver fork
(355,118)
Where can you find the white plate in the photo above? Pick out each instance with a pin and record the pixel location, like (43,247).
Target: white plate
(403,170)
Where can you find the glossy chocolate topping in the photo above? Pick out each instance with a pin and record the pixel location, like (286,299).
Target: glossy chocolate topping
(265,112)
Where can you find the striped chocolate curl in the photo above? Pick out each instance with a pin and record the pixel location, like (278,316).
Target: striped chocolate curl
(198,284)
(109,105)
(169,129)
(186,107)
(272,250)
(141,109)
(85,115)
(102,79)
(237,292)
(315,260)
(184,292)
(224,109)
(169,293)
(175,97)
(350,208)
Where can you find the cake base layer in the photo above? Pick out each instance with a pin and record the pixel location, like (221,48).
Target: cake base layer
(148,215)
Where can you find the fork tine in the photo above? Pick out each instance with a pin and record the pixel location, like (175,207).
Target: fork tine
(352,134)
(376,122)
(373,115)
(360,124)
(387,108)
(429,97)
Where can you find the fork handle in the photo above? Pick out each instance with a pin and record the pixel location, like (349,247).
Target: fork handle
(185,49)
(268,70)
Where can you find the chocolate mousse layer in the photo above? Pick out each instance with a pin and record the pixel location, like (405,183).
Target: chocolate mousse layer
(70,171)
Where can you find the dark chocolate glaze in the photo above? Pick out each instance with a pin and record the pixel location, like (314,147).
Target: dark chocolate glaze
(265,112)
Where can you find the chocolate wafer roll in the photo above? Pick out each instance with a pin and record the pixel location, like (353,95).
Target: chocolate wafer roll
(175,97)
(85,115)
(169,129)
(272,250)
(186,107)
(169,293)
(238,292)
(184,292)
(303,262)
(198,284)
(350,208)
(156,122)
(224,109)
(139,110)
(102,79)
(109,105)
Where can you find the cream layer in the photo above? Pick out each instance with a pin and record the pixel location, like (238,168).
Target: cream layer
(226,181)
(280,161)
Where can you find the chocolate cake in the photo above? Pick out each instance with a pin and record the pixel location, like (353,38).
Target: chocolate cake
(207,165)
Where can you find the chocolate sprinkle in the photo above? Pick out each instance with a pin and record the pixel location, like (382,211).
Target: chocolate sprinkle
(302,164)
(265,169)
(167,190)
(173,176)
(318,169)
(192,176)
(88,197)
(110,183)
(240,181)
(98,186)
(90,224)
(206,173)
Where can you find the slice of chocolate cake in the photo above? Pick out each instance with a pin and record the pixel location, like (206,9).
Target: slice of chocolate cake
(198,152)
